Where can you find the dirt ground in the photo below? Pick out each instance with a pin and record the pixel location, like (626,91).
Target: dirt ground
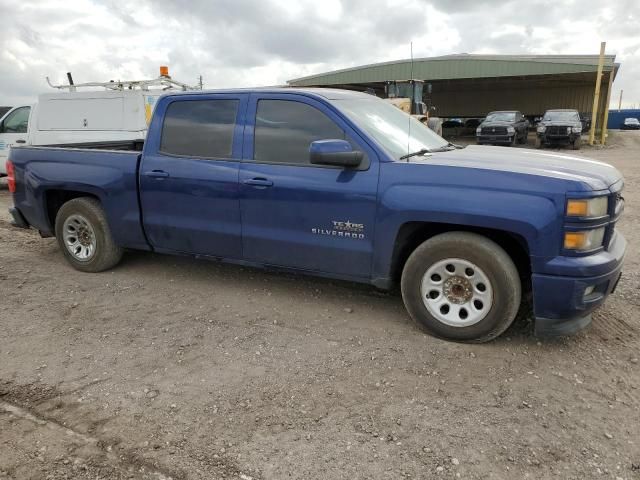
(169,367)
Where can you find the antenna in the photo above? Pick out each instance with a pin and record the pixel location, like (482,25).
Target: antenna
(411,104)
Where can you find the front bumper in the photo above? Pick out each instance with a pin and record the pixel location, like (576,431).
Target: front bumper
(17,219)
(560,304)
(494,138)
(558,139)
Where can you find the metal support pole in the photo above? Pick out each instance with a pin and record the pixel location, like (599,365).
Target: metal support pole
(605,115)
(596,95)
(620,100)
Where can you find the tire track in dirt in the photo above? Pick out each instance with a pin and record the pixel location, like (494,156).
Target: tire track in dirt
(91,447)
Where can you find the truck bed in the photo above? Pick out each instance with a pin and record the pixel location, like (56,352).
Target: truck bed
(108,175)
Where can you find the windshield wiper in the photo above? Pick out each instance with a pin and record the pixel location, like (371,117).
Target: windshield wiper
(418,153)
(447,148)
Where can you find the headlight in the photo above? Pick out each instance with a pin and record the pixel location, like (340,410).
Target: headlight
(541,128)
(588,207)
(511,129)
(478,130)
(584,240)
(568,129)
(577,129)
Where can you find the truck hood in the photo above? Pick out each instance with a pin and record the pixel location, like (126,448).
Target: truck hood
(591,174)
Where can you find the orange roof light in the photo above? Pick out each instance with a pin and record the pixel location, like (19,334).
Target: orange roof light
(164,71)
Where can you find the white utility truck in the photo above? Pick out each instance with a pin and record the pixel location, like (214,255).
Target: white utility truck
(108,112)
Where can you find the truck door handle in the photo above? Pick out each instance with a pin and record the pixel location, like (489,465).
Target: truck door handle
(258,182)
(21,141)
(156,174)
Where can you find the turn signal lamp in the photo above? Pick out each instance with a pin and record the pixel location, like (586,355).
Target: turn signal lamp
(584,240)
(577,208)
(587,207)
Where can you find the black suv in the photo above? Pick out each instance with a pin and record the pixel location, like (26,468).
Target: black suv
(559,127)
(508,127)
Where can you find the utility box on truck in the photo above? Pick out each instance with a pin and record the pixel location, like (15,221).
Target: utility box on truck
(85,117)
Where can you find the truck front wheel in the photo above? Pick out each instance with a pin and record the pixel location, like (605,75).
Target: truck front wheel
(576,143)
(84,236)
(461,286)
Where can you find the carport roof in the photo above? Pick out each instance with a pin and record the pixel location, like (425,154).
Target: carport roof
(460,66)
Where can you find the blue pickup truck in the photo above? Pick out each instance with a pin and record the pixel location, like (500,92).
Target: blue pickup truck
(344,185)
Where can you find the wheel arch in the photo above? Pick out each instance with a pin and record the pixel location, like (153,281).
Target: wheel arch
(55,198)
(412,234)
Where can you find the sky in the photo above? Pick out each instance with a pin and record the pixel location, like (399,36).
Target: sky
(239,43)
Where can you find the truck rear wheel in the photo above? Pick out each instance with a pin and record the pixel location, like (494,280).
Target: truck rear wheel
(84,236)
(461,286)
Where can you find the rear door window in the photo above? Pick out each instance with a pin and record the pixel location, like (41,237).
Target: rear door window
(200,128)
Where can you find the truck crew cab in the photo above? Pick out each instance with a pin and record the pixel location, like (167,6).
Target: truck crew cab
(345,185)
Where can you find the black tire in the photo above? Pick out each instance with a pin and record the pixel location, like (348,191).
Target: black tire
(488,256)
(107,254)
(523,140)
(576,143)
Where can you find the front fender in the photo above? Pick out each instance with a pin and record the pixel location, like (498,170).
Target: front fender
(532,217)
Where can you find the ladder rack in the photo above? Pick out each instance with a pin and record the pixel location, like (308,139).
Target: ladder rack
(165,82)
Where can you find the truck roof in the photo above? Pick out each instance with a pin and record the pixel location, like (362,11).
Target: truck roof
(328,93)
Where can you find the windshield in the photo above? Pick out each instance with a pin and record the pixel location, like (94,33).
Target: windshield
(501,117)
(561,117)
(389,126)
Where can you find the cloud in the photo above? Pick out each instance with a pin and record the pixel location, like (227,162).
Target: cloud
(266,42)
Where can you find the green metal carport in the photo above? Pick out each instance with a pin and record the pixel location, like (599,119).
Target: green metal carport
(467,85)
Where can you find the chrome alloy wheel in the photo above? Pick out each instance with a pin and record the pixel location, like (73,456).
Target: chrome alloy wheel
(79,237)
(456,292)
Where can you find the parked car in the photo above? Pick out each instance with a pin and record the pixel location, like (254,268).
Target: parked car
(13,130)
(559,127)
(631,124)
(345,185)
(505,127)
(472,123)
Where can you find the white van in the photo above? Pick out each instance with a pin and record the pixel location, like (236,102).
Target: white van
(13,129)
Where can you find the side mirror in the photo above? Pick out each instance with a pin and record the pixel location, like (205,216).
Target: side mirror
(334,152)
